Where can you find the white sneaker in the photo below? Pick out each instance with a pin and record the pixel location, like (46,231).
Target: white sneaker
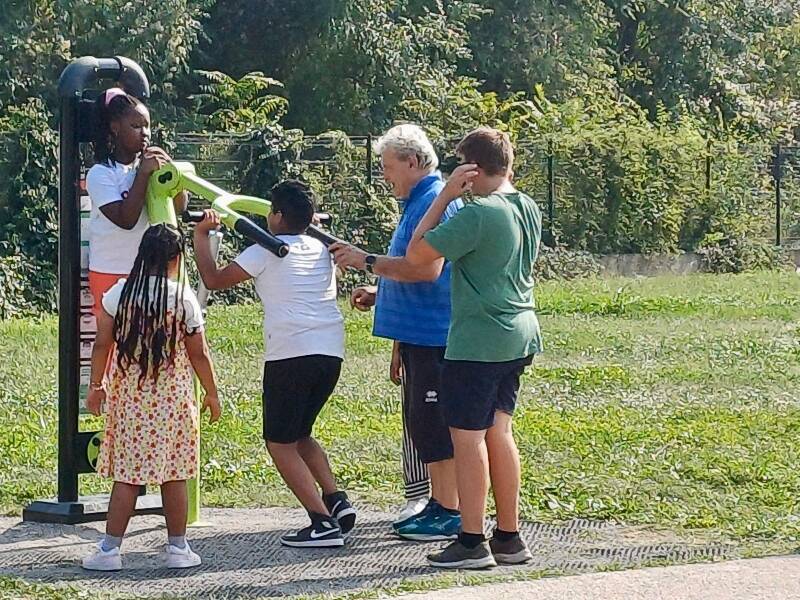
(180,558)
(412,508)
(103,560)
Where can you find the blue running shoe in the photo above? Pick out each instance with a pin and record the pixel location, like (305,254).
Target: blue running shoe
(432,505)
(436,524)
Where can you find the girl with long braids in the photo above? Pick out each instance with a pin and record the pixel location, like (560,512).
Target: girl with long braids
(152,325)
(117,185)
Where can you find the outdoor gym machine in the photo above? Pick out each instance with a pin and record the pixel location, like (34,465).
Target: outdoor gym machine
(180,176)
(78,89)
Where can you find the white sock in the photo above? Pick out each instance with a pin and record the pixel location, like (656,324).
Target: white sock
(179,541)
(110,542)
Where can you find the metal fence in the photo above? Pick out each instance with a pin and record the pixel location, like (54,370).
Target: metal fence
(219,157)
(759,183)
(764,181)
(785,171)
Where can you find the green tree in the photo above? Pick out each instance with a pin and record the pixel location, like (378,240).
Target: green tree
(688,53)
(371,57)
(242,36)
(39,37)
(28,225)
(240,105)
(34,48)
(521,43)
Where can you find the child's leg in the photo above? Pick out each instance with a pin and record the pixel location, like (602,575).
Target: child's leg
(327,369)
(503,453)
(106,556)
(504,469)
(317,461)
(297,475)
(175,501)
(120,508)
(472,473)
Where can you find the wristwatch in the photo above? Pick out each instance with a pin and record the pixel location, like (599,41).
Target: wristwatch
(369,263)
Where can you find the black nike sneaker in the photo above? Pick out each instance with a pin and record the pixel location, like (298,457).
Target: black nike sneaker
(341,510)
(324,532)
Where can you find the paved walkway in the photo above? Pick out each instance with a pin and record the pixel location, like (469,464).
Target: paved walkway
(776,578)
(242,557)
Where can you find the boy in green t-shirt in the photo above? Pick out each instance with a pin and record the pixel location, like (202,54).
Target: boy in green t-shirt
(492,244)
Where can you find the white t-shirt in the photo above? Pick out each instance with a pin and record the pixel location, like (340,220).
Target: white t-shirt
(112,249)
(298,292)
(192,311)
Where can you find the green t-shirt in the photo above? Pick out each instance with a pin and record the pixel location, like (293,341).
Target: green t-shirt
(492,244)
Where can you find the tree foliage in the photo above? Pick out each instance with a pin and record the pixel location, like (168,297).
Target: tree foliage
(655,114)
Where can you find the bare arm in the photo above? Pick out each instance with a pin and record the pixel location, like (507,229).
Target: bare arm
(213,277)
(400,268)
(102,347)
(180,202)
(200,357)
(396,365)
(420,252)
(125,213)
(392,267)
(422,261)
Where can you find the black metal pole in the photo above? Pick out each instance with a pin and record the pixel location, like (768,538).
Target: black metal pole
(369,158)
(551,186)
(777,173)
(75,78)
(69,278)
(708,168)
(74,128)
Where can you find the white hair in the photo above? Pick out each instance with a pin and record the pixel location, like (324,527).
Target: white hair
(406,141)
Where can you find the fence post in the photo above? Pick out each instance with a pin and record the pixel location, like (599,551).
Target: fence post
(551,193)
(777,174)
(369,158)
(708,168)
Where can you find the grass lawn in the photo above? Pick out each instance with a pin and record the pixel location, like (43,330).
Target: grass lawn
(668,401)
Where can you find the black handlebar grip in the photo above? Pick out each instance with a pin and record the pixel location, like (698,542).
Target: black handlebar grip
(263,238)
(192,216)
(323,236)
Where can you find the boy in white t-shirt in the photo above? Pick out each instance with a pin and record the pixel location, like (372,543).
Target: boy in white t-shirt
(304,340)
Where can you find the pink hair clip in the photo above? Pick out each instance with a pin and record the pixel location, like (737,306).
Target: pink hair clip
(112,93)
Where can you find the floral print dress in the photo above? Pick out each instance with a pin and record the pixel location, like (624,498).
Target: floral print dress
(152,428)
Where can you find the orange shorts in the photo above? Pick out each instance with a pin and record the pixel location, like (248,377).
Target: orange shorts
(99,284)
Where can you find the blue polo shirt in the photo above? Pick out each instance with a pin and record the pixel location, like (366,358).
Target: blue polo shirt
(415,313)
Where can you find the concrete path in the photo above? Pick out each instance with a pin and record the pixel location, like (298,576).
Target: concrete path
(242,556)
(775,578)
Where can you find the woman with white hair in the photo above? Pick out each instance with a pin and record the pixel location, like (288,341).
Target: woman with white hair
(416,317)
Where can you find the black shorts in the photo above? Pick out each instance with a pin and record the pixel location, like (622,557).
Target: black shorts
(295,390)
(472,391)
(422,411)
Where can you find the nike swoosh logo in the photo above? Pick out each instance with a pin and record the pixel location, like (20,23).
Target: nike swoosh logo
(335,507)
(315,535)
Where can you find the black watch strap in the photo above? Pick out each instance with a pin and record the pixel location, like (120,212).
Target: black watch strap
(369,262)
